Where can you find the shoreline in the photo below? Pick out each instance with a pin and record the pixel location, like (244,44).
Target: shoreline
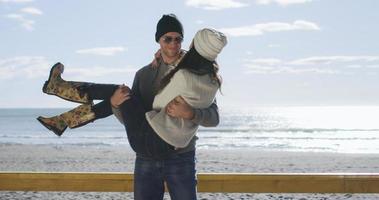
(38,157)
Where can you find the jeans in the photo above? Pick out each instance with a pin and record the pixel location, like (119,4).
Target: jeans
(177,170)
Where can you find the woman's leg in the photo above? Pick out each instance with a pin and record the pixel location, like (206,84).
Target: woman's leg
(81,92)
(96,91)
(76,117)
(141,136)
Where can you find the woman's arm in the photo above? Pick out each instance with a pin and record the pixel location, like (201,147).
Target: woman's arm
(207,117)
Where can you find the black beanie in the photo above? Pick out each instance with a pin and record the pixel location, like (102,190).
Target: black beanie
(168,23)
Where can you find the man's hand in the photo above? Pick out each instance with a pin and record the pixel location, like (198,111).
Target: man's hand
(179,108)
(121,94)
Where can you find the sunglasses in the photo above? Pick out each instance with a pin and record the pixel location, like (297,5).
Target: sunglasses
(169,39)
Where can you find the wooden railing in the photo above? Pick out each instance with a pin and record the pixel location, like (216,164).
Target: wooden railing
(207,182)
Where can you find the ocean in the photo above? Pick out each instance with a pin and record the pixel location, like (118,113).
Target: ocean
(297,129)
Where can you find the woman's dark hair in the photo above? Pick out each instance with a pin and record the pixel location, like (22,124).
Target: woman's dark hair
(195,63)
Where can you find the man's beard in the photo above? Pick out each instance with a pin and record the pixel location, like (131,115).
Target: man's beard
(171,54)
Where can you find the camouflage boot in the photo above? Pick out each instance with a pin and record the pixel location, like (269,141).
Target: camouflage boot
(67,90)
(55,124)
(74,118)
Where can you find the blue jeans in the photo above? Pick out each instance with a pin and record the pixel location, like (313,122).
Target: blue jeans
(178,171)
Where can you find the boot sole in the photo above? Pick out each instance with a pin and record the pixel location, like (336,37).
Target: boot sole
(51,128)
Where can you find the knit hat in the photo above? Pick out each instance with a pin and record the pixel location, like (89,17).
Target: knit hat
(168,23)
(209,43)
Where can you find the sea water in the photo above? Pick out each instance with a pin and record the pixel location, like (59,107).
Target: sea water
(338,129)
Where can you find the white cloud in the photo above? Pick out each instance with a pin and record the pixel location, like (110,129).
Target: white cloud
(226,4)
(354,66)
(102,51)
(316,64)
(37,66)
(15,1)
(265,61)
(32,11)
(372,73)
(259,69)
(260,29)
(360,66)
(273,45)
(373,66)
(281,2)
(26,23)
(215,4)
(199,22)
(23,66)
(84,73)
(324,60)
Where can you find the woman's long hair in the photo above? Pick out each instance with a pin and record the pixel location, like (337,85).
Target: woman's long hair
(195,63)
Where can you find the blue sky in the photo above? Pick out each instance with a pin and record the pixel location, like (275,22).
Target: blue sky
(280,52)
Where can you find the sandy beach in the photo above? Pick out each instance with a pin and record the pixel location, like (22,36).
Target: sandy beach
(70,158)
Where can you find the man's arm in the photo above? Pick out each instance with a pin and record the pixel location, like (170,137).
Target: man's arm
(207,117)
(121,94)
(117,114)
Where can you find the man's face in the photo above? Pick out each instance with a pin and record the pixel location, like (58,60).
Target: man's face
(171,44)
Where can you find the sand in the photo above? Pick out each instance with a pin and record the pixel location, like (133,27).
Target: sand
(68,158)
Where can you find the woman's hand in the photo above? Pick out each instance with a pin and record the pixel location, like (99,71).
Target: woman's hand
(121,94)
(179,108)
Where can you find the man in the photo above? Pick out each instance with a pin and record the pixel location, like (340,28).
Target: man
(178,169)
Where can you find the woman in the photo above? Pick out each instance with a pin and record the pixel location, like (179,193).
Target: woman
(194,80)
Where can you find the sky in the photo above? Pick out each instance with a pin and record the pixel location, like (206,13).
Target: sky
(279,52)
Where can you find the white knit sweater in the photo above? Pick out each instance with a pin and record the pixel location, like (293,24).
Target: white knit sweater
(198,91)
